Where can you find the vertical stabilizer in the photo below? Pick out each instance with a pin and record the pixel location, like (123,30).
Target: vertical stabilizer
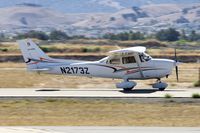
(32,54)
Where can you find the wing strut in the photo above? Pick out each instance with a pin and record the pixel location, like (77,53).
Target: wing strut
(141,72)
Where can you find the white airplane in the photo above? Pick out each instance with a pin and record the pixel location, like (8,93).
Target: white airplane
(127,64)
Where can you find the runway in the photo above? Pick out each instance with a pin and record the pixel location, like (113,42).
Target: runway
(95,93)
(57,129)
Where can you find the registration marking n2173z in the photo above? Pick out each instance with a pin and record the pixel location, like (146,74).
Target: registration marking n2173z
(74,70)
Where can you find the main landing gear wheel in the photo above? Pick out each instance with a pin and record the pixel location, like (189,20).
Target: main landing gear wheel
(127,89)
(160,85)
(126,85)
(161,89)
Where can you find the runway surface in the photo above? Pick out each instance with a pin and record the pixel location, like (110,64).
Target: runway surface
(95,93)
(58,129)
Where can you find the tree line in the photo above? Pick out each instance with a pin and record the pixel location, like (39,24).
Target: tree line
(162,35)
(54,35)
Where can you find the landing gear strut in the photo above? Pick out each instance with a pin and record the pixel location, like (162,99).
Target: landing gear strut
(160,85)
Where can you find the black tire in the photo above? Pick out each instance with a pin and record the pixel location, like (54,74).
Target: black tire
(127,89)
(161,89)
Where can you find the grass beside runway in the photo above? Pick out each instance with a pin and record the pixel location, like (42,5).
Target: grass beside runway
(84,112)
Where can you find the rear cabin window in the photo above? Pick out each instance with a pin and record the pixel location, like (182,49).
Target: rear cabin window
(115,61)
(128,60)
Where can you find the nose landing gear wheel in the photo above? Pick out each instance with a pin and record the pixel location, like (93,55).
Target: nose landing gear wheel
(160,85)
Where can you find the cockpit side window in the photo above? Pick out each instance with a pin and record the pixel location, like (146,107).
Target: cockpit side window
(128,60)
(141,58)
(144,57)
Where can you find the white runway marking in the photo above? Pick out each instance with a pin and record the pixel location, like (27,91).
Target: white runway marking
(57,129)
(96,93)
(13,69)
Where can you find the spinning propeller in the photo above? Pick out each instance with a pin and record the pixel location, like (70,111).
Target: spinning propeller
(176,61)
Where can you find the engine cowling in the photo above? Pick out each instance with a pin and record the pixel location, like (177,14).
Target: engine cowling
(127,84)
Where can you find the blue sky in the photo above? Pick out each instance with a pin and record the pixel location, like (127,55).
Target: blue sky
(85,6)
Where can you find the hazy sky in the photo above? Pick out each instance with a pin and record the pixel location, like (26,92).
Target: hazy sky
(77,6)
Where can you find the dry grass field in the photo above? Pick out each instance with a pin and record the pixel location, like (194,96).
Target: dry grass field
(97,112)
(101,47)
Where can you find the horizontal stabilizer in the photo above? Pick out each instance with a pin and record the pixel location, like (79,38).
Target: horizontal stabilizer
(40,70)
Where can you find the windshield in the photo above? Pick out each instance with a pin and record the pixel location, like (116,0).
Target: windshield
(144,57)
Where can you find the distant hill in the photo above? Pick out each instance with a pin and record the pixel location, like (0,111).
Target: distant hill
(148,18)
(32,16)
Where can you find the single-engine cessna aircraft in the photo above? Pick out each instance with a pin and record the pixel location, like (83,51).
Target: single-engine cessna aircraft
(127,64)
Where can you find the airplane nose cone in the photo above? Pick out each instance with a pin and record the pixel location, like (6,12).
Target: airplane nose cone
(177,63)
(174,63)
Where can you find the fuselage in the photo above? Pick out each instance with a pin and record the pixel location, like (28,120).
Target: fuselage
(153,68)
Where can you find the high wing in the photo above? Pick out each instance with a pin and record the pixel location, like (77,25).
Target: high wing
(130,50)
